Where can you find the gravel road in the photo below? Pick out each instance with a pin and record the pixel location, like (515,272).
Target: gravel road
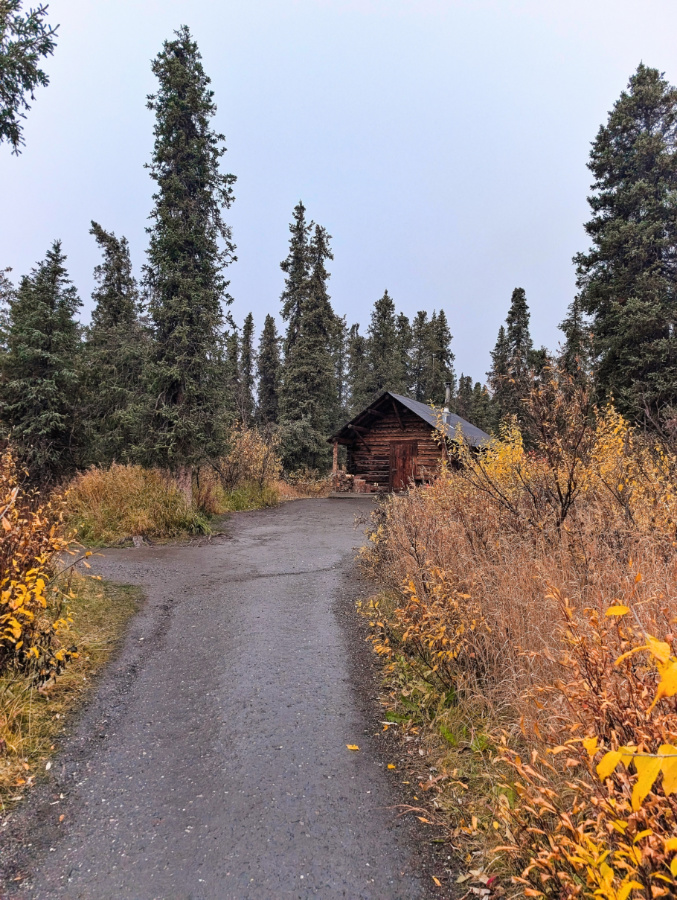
(212,762)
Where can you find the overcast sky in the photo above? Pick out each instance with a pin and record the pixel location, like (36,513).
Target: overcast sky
(443,143)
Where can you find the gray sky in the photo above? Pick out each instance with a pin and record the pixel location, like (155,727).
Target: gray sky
(443,143)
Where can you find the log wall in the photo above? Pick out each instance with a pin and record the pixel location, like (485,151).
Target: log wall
(369,454)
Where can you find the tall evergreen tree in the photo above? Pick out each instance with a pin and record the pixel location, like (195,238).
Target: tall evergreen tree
(268,373)
(499,374)
(482,408)
(358,371)
(440,359)
(114,357)
(232,380)
(190,244)
(403,360)
(420,350)
(297,274)
(340,353)
(463,401)
(575,355)
(308,398)
(510,376)
(383,348)
(247,364)
(39,386)
(628,279)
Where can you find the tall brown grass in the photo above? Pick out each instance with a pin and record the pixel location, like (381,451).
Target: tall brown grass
(109,506)
(505,569)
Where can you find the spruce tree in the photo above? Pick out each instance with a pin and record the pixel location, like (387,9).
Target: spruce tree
(25,39)
(297,273)
(268,373)
(340,354)
(383,347)
(189,246)
(463,401)
(510,376)
(499,374)
(482,409)
(232,383)
(628,279)
(114,357)
(575,354)
(440,360)
(308,397)
(358,371)
(402,369)
(420,350)
(39,389)
(247,364)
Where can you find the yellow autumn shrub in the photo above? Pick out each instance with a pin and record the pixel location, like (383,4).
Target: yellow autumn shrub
(34,619)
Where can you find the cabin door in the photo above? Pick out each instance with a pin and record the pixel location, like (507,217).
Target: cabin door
(403,455)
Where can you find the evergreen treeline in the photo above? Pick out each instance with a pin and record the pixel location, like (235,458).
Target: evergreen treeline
(162,371)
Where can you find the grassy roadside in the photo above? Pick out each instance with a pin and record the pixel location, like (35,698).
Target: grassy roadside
(31,718)
(447,758)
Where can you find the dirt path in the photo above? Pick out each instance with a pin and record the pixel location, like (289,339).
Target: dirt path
(212,763)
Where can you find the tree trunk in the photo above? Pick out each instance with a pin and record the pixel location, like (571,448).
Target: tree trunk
(184,481)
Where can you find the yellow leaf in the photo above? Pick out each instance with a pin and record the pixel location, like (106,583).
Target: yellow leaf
(670,845)
(424,820)
(626,888)
(618,610)
(673,867)
(391,766)
(669,769)
(658,649)
(608,763)
(648,768)
(437,881)
(667,686)
(641,835)
(590,745)
(352,746)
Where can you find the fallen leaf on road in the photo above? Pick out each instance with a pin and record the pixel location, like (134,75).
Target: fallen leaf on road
(352,746)
(424,820)
(437,881)
(391,766)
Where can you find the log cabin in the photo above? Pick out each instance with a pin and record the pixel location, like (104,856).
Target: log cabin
(395,442)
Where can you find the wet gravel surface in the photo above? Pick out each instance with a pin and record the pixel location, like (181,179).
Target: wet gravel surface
(212,762)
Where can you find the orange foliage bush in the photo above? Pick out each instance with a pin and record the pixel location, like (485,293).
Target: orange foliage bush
(511,562)
(33,617)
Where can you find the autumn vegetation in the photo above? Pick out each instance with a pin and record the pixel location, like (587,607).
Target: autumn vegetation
(528,619)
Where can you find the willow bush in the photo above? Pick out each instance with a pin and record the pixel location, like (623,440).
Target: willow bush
(535,583)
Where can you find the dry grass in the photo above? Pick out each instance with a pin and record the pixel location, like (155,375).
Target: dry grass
(32,717)
(110,506)
(304,484)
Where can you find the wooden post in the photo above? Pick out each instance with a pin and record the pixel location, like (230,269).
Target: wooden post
(334,464)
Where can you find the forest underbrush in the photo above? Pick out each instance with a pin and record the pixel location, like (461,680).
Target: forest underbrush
(527,624)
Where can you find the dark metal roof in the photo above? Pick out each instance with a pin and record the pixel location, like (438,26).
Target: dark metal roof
(473,435)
